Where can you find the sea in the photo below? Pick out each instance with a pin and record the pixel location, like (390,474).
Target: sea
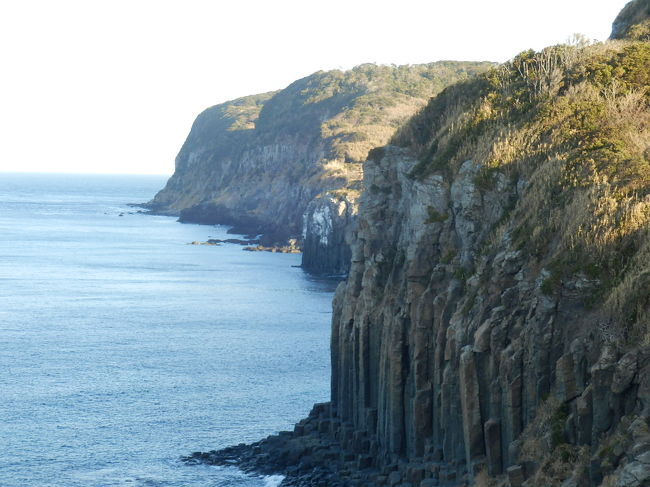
(123,347)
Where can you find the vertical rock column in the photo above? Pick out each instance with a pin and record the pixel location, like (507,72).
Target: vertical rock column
(325,223)
(471,408)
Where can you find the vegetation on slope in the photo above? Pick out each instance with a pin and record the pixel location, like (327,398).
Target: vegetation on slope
(262,159)
(359,109)
(222,129)
(355,110)
(572,124)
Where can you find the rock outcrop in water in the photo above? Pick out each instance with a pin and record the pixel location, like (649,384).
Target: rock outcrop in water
(266,164)
(494,325)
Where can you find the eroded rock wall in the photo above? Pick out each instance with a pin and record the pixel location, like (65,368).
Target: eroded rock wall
(327,224)
(635,14)
(260,188)
(443,352)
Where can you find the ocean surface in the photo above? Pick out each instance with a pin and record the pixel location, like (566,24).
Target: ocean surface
(123,348)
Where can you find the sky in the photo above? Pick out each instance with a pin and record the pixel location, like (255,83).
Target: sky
(96,86)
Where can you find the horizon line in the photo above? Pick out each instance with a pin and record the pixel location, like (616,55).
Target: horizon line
(72,173)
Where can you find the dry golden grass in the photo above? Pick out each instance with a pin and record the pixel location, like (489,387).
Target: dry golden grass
(542,443)
(588,207)
(628,304)
(571,125)
(482,479)
(609,481)
(536,438)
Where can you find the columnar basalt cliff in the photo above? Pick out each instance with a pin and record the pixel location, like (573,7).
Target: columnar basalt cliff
(265,163)
(494,327)
(495,318)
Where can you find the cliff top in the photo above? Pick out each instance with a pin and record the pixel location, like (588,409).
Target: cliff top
(311,135)
(356,109)
(572,123)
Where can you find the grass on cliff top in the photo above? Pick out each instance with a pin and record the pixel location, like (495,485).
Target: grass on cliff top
(392,95)
(360,109)
(222,129)
(572,124)
(354,111)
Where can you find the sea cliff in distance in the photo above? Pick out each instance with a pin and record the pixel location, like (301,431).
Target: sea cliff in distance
(287,164)
(494,327)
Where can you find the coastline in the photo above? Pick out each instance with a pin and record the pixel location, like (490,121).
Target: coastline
(323,452)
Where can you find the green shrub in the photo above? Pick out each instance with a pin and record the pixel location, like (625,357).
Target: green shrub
(434,216)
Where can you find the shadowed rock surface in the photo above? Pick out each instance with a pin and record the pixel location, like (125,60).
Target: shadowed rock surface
(633,22)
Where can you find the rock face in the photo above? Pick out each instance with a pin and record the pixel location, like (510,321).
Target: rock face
(401,348)
(450,361)
(434,365)
(633,21)
(468,332)
(267,164)
(327,221)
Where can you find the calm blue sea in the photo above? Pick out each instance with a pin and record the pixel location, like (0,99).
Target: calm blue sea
(123,348)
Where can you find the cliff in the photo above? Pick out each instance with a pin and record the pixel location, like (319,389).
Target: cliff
(494,328)
(633,22)
(285,164)
(494,324)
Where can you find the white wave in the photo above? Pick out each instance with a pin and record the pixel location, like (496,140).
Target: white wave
(273,480)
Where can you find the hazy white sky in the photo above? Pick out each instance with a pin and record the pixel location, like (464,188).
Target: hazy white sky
(114,86)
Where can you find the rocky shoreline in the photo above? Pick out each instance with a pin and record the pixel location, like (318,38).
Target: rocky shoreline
(253,245)
(323,452)
(292,247)
(307,456)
